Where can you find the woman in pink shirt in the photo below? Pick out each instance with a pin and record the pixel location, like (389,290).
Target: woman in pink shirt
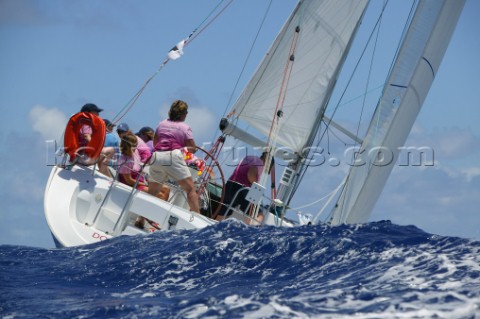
(129,164)
(245,174)
(168,161)
(147,133)
(129,169)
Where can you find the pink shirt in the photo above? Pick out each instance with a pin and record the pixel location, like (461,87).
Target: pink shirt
(143,150)
(150,146)
(240,174)
(130,165)
(172,135)
(85,129)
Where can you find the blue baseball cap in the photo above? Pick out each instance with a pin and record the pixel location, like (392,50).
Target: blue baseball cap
(123,127)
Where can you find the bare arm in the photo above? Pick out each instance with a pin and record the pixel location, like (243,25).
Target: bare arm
(191,145)
(87,137)
(252,174)
(155,139)
(129,180)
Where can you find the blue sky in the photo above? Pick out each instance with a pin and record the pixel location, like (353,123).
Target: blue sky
(57,55)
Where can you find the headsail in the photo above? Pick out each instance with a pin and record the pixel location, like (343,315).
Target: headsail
(317,35)
(410,79)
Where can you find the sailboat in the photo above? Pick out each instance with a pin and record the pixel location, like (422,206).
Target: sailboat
(283,111)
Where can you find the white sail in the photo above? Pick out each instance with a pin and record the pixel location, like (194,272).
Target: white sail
(410,79)
(325,29)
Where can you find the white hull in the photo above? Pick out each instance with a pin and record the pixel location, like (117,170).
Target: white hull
(83,206)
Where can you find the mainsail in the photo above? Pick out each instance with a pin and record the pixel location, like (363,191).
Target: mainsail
(298,73)
(410,79)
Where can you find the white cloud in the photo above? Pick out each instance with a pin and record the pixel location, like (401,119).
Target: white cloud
(437,200)
(203,123)
(50,123)
(455,142)
(447,143)
(471,172)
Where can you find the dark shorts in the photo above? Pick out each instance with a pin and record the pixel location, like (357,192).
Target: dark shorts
(231,189)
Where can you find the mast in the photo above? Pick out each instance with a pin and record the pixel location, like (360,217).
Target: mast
(408,84)
(285,99)
(286,193)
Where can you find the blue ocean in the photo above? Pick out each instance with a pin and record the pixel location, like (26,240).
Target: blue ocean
(376,270)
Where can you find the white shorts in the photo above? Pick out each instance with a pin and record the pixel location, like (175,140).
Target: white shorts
(168,164)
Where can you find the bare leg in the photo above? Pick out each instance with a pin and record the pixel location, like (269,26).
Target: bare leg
(192,196)
(105,157)
(164,192)
(158,190)
(154,188)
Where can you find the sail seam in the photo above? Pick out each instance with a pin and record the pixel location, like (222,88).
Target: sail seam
(430,65)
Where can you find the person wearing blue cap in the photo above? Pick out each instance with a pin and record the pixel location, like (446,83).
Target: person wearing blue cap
(111,147)
(111,140)
(122,128)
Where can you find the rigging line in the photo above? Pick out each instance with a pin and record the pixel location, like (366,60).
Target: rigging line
(248,57)
(245,63)
(327,126)
(206,18)
(193,37)
(189,39)
(337,137)
(276,126)
(357,65)
(368,77)
(315,202)
(377,27)
(285,81)
(302,174)
(362,95)
(132,101)
(291,59)
(267,59)
(407,23)
(404,33)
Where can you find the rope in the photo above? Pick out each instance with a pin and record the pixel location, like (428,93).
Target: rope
(244,65)
(210,22)
(285,81)
(280,101)
(357,64)
(274,127)
(376,26)
(193,35)
(278,109)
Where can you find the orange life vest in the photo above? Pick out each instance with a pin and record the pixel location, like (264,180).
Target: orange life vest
(72,142)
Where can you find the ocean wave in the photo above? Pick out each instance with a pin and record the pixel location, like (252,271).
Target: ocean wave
(230,270)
